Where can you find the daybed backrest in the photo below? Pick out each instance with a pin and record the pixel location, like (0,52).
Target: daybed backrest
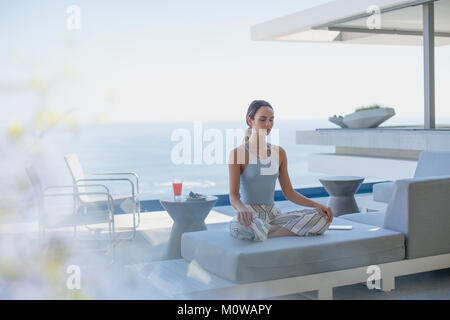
(419,208)
(433,163)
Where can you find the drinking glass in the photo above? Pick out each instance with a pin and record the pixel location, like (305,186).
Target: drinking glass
(177,185)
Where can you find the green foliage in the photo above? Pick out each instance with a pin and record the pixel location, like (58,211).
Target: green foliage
(374,106)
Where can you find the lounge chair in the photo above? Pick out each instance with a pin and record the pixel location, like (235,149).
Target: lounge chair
(59,218)
(411,236)
(128,202)
(430,163)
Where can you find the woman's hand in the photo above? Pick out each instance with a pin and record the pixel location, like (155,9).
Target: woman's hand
(326,212)
(244,217)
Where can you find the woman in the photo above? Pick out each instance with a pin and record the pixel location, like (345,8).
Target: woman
(251,178)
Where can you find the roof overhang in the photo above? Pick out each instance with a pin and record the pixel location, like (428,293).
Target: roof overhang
(395,22)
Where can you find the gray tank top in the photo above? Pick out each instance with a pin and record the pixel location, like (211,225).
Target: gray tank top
(257,182)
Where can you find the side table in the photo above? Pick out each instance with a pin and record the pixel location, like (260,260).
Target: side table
(188,216)
(342,190)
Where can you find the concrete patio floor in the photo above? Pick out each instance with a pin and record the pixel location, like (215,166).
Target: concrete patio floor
(150,242)
(149,245)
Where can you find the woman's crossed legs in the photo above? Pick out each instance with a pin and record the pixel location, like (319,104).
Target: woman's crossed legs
(304,222)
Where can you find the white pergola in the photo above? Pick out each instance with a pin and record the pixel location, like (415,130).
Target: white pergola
(389,22)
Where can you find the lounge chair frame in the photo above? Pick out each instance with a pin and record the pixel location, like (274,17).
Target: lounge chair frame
(55,191)
(95,177)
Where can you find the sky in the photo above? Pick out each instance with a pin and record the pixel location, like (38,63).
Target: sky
(141,61)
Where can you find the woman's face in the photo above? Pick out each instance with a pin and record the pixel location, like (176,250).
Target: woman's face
(263,119)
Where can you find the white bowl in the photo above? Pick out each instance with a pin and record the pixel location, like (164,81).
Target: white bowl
(371,118)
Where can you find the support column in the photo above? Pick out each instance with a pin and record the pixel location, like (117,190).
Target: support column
(428,55)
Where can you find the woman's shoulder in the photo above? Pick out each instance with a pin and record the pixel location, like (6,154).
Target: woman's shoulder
(239,148)
(277,148)
(279,153)
(236,154)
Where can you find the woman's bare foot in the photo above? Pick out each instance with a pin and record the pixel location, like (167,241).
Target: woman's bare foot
(277,231)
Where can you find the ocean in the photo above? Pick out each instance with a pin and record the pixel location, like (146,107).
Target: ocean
(146,149)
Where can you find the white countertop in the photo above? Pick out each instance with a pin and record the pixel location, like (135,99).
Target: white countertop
(400,138)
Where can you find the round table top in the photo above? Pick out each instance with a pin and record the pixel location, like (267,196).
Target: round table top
(188,211)
(341,178)
(170,199)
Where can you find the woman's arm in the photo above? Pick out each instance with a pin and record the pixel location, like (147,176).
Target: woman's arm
(244,216)
(292,195)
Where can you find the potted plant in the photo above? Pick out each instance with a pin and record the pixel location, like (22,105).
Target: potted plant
(364,117)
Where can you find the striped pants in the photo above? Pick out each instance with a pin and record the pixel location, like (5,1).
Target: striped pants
(304,222)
